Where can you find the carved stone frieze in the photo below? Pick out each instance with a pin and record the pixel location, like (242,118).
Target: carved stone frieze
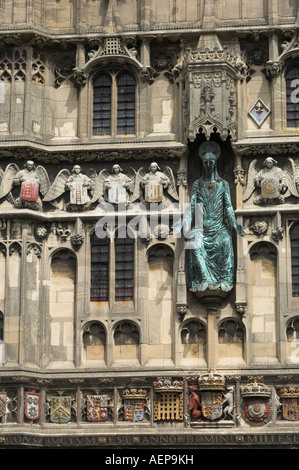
(105,155)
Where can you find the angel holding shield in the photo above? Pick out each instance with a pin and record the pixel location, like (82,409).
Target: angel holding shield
(76,183)
(117,186)
(154,182)
(274,184)
(33,180)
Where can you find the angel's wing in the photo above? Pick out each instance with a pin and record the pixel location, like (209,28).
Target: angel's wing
(290,175)
(172,186)
(252,172)
(43,179)
(7,179)
(137,177)
(58,186)
(92,175)
(98,191)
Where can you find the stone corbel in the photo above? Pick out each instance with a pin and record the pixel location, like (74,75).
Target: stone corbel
(290,48)
(277,234)
(241,307)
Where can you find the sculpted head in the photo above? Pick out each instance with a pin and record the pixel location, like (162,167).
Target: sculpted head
(29,165)
(270,162)
(154,167)
(76,169)
(116,169)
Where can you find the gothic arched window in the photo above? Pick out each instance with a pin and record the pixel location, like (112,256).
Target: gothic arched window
(124,268)
(292,94)
(99,283)
(114,104)
(294,233)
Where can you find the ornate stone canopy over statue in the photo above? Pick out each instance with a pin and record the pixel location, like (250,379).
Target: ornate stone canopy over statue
(211,261)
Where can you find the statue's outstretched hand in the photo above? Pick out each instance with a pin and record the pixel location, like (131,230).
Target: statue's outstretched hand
(239,229)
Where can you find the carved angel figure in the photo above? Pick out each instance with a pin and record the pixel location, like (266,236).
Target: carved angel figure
(115,188)
(76,183)
(273,183)
(155,182)
(33,180)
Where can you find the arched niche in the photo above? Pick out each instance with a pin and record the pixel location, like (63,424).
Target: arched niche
(262,295)
(62,305)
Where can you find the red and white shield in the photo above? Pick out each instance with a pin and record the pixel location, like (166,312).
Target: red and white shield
(29,191)
(32,405)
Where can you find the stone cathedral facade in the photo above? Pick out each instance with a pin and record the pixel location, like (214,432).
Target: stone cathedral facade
(105,106)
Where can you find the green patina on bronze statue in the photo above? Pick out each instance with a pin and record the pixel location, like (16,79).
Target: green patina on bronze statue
(211,258)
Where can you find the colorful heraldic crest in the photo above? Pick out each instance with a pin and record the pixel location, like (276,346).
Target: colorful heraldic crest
(211,405)
(256,407)
(97,407)
(290,403)
(3,404)
(32,405)
(134,404)
(256,411)
(211,387)
(29,191)
(60,411)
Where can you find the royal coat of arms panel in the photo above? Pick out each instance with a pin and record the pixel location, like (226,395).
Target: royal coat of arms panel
(290,403)
(133,404)
(211,403)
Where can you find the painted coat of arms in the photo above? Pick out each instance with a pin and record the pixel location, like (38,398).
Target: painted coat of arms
(97,407)
(211,387)
(256,406)
(134,404)
(211,405)
(60,410)
(3,404)
(290,403)
(32,405)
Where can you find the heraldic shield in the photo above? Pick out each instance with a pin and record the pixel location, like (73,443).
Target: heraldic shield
(211,387)
(3,404)
(29,191)
(32,405)
(134,404)
(290,403)
(256,405)
(211,405)
(60,411)
(97,407)
(133,410)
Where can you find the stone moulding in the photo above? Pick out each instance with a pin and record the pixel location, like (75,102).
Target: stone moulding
(265,148)
(77,154)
